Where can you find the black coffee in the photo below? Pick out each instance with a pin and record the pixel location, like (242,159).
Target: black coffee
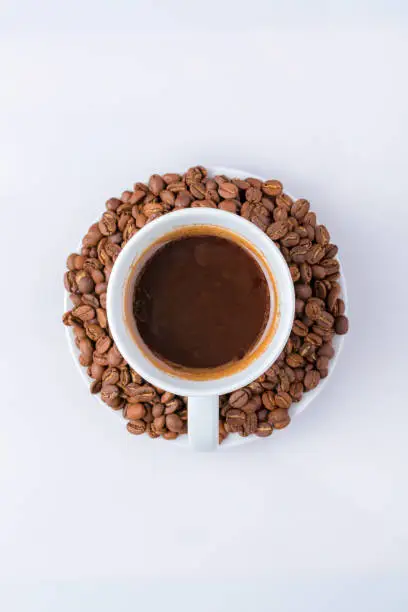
(201,301)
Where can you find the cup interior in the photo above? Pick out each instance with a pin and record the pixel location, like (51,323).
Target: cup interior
(209,381)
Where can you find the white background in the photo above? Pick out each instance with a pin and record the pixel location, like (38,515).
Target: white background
(97,95)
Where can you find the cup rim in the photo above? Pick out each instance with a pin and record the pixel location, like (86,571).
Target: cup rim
(147,236)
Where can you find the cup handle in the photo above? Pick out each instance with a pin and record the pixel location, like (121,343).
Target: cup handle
(203,418)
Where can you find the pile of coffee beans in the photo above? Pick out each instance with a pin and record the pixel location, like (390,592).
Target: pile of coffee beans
(263,405)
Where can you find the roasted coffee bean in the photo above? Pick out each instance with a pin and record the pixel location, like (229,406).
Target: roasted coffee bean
(159,423)
(298,253)
(235,417)
(341,325)
(283,400)
(136,427)
(251,423)
(290,240)
(322,235)
(174,423)
(134,411)
(172,405)
(228,205)
(272,188)
(157,410)
(300,208)
(311,380)
(278,230)
(228,191)
(303,291)
(268,400)
(325,319)
(143,393)
(166,397)
(156,184)
(264,429)
(256,387)
(295,360)
(315,254)
(305,273)
(313,310)
(240,398)
(296,391)
(279,418)
(299,328)
(322,363)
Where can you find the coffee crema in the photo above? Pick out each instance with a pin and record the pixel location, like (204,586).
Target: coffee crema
(201,301)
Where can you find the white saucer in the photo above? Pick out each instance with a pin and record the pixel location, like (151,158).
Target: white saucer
(232,439)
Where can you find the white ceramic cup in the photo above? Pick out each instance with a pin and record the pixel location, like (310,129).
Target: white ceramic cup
(203,391)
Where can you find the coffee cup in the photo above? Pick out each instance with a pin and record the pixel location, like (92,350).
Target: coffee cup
(202,387)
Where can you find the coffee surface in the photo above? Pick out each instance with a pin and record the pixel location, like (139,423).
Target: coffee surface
(201,302)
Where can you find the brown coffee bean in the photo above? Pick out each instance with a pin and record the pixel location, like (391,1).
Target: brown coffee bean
(159,423)
(284,201)
(228,205)
(331,251)
(170,435)
(294,360)
(134,411)
(253,194)
(279,418)
(268,400)
(318,272)
(171,177)
(300,208)
(256,387)
(341,325)
(156,184)
(315,254)
(278,230)
(314,339)
(331,266)
(172,405)
(296,391)
(240,398)
(322,363)
(313,310)
(83,313)
(136,427)
(228,191)
(174,423)
(332,297)
(322,235)
(305,273)
(251,423)
(311,380)
(107,224)
(264,430)
(272,188)
(143,393)
(325,319)
(298,253)
(109,393)
(166,397)
(299,328)
(157,410)
(235,417)
(290,240)
(283,400)
(113,356)
(303,291)
(103,344)
(320,289)
(299,306)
